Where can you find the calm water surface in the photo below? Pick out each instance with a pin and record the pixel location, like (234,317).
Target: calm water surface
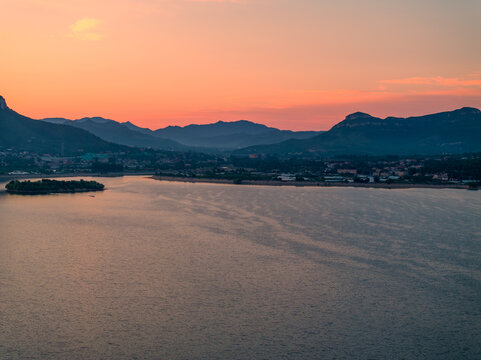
(159,270)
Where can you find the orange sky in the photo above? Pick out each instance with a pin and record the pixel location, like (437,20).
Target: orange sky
(297,64)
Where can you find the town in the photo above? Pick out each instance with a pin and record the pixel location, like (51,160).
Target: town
(440,169)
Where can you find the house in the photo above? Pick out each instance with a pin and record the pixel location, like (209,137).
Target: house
(366,178)
(347,171)
(334,178)
(287,177)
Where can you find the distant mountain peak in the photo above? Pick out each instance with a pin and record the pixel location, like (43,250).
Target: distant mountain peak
(356,119)
(235,122)
(468,110)
(3,104)
(358,116)
(96,119)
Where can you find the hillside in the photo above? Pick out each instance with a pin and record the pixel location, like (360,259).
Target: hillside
(21,133)
(450,132)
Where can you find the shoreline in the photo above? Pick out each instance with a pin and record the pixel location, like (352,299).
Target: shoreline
(244,182)
(53,176)
(311,183)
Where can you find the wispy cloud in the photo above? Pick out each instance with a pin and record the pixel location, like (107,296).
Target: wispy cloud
(434,81)
(86,29)
(221,1)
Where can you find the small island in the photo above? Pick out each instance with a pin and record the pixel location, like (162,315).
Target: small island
(47,186)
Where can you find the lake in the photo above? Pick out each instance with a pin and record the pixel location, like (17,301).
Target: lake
(165,270)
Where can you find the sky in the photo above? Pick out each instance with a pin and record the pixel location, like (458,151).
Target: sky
(292,64)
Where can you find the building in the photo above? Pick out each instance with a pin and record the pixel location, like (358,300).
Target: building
(287,177)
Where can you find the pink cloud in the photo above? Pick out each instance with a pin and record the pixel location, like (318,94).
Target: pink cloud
(221,1)
(436,81)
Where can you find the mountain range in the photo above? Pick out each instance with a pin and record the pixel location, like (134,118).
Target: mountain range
(449,132)
(120,133)
(21,133)
(217,136)
(230,135)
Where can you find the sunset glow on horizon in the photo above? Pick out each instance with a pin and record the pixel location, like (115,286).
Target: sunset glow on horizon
(301,65)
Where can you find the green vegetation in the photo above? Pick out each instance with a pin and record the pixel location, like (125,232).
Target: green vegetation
(46,186)
(474,185)
(464,167)
(104,168)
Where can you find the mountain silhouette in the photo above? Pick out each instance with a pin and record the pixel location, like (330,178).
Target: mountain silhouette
(22,133)
(449,132)
(230,135)
(221,135)
(120,133)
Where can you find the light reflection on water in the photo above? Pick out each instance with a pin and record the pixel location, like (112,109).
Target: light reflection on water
(159,270)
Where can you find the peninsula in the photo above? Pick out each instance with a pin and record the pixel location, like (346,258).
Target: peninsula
(47,186)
